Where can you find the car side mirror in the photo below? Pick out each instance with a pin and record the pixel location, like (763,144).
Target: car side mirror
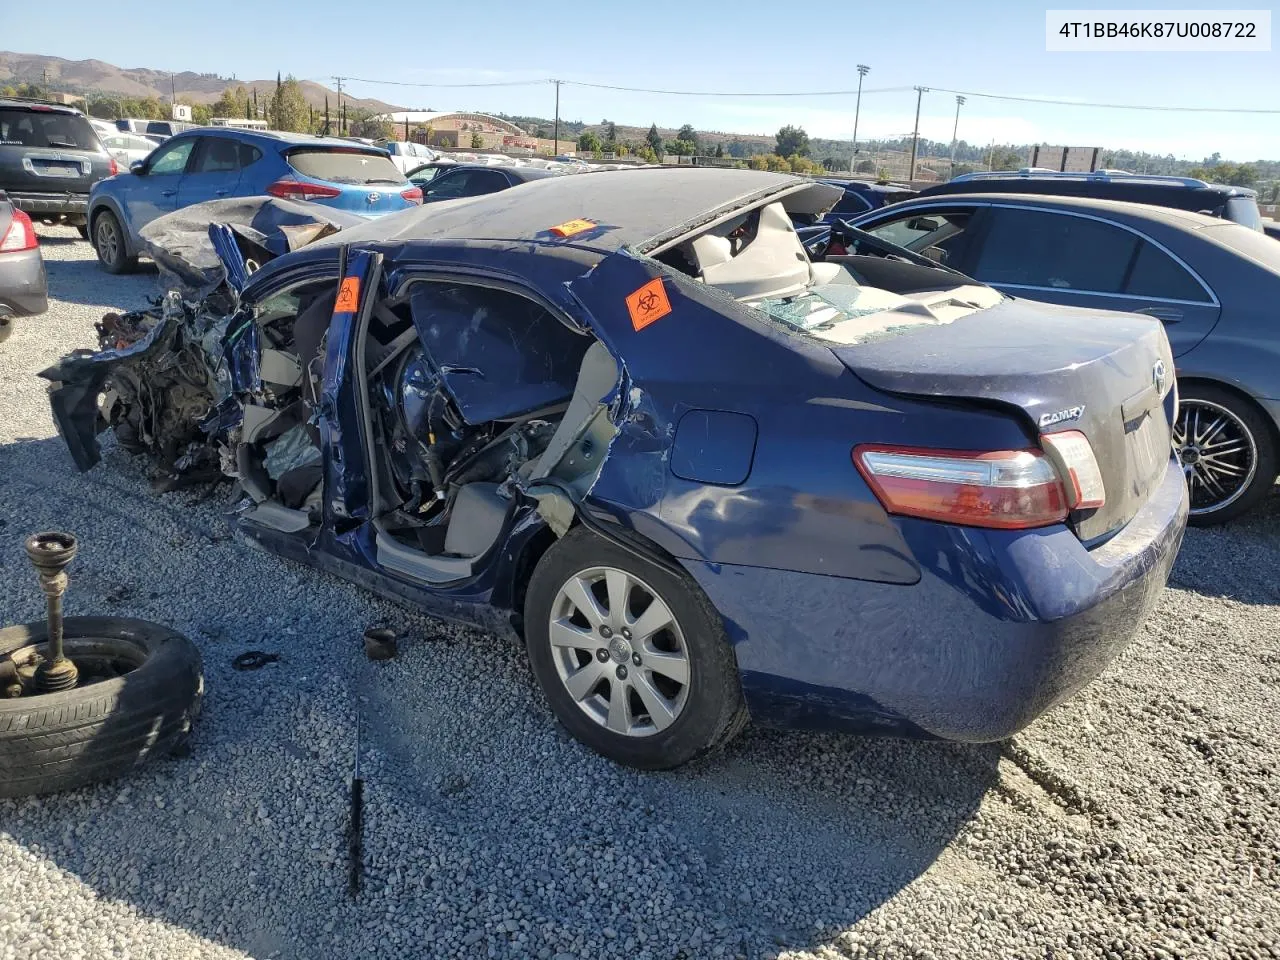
(923,224)
(138,167)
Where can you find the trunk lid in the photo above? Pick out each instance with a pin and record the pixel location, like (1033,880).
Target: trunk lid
(1104,374)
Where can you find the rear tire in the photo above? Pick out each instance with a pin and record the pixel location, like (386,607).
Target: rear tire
(1228,453)
(670,722)
(56,741)
(110,245)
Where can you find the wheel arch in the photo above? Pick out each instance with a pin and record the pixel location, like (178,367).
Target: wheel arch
(111,206)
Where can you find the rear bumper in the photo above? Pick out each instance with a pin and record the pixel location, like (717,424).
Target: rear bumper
(24,290)
(1002,626)
(51,204)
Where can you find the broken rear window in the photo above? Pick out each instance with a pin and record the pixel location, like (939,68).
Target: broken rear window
(345,166)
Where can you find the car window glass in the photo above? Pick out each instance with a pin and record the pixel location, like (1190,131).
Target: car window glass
(155,126)
(1156,274)
(173,158)
(851,203)
(449,185)
(30,128)
(218,156)
(422,177)
(248,154)
(1041,249)
(485,181)
(935,235)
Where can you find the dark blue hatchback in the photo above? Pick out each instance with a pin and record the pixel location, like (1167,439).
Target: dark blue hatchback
(701,477)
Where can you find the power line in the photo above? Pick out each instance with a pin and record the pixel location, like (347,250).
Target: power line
(1105,106)
(408,83)
(733,93)
(1162,108)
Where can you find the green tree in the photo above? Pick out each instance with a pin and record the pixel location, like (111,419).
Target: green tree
(865,166)
(689,134)
(792,142)
(777,164)
(654,139)
(289,110)
(758,161)
(647,154)
(477,141)
(719,149)
(588,142)
(610,132)
(681,148)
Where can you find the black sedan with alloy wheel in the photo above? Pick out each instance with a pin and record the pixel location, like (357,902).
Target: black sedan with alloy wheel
(1214,284)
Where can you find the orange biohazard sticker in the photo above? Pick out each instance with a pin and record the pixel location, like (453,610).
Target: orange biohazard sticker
(571,227)
(648,304)
(348,296)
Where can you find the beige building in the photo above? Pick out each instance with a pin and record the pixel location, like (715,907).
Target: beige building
(464,131)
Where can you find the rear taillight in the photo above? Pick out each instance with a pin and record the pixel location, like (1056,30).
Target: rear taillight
(1005,489)
(290,189)
(113,168)
(413,194)
(20,235)
(1076,462)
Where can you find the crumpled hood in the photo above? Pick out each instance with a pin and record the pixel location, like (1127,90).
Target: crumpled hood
(264,227)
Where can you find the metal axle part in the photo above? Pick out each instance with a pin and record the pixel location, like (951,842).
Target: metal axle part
(51,552)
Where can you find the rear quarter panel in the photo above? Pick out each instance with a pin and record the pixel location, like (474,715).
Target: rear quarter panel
(803,506)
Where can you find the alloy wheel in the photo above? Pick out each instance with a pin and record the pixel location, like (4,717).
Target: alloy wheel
(619,651)
(108,240)
(1218,454)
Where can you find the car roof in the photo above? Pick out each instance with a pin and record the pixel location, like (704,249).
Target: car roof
(281,137)
(39,106)
(869,186)
(1097,185)
(1170,216)
(621,205)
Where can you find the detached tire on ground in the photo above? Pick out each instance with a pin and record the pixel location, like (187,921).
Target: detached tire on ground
(140,691)
(1228,453)
(631,655)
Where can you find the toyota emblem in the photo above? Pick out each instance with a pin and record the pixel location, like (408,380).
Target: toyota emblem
(373,198)
(1158,374)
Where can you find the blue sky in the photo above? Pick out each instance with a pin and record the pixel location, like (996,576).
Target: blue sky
(744,45)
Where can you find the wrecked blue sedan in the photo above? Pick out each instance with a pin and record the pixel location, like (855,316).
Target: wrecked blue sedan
(703,478)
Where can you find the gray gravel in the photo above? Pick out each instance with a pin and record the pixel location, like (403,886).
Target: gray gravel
(1139,820)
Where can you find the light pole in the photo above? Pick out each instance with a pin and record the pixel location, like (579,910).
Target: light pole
(915,134)
(955,130)
(863,70)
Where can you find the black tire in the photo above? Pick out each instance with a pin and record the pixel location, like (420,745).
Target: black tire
(58,741)
(713,711)
(83,230)
(110,245)
(1260,473)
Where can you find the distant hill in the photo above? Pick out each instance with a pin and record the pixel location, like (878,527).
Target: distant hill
(97,76)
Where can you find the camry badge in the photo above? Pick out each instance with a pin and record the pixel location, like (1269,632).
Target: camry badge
(1061,416)
(1158,374)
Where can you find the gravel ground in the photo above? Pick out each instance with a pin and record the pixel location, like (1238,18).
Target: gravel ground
(1139,820)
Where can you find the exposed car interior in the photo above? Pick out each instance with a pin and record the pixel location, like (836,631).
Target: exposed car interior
(470,388)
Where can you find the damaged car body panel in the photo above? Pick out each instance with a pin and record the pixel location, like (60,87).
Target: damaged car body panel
(428,404)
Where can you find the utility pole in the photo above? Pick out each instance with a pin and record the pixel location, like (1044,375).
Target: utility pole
(991,153)
(341,114)
(954,131)
(557,133)
(863,70)
(915,134)
(173,92)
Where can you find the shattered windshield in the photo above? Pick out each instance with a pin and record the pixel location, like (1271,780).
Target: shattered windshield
(849,313)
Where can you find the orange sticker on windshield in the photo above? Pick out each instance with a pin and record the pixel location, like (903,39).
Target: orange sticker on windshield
(348,296)
(648,304)
(571,227)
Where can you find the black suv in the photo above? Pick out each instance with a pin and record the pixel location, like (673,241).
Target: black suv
(1238,204)
(49,158)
